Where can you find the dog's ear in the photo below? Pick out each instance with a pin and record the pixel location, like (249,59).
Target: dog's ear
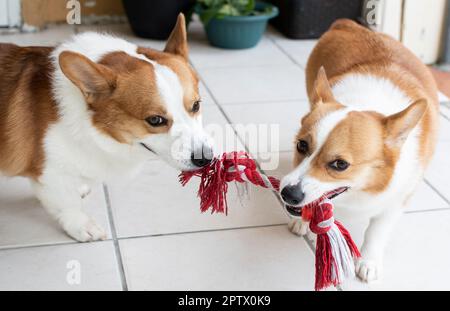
(399,125)
(94,80)
(177,42)
(322,92)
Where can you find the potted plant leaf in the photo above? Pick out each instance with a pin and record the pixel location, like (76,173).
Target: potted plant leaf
(234,24)
(155,19)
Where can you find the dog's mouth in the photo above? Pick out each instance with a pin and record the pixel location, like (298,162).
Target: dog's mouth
(148,148)
(296,211)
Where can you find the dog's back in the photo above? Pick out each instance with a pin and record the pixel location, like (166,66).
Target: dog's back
(26,107)
(348,48)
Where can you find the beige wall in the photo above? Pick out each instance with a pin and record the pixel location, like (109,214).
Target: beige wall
(39,12)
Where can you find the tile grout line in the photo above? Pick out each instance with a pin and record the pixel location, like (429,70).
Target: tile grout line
(306,238)
(275,43)
(436,190)
(211,68)
(310,245)
(255,102)
(120,266)
(308,241)
(198,231)
(285,52)
(444,115)
(216,102)
(140,237)
(49,244)
(427,211)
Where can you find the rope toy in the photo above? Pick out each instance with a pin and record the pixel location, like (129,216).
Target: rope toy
(335,249)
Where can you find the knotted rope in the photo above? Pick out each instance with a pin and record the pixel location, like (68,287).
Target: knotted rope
(335,249)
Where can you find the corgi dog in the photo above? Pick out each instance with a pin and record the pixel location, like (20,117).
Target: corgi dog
(94,108)
(370,134)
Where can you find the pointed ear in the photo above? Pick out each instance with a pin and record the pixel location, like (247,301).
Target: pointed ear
(177,42)
(322,89)
(399,125)
(92,79)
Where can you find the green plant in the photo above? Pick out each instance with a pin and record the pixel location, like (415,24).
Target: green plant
(209,9)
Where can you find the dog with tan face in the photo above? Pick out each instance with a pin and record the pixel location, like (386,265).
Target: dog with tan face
(94,108)
(369,135)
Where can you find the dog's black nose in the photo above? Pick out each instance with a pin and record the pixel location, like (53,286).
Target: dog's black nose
(292,195)
(202,157)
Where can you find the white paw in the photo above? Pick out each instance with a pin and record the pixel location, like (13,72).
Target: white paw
(298,226)
(81,227)
(368,270)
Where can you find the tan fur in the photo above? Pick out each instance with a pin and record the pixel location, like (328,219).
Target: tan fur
(27,108)
(363,149)
(307,131)
(175,56)
(188,78)
(119,89)
(125,87)
(177,42)
(360,138)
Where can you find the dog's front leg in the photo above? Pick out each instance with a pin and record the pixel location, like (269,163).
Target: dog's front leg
(61,197)
(368,267)
(298,226)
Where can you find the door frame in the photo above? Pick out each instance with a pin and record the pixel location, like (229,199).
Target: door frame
(13,13)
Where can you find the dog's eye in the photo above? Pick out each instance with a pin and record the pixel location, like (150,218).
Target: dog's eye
(156,121)
(302,146)
(339,165)
(196,107)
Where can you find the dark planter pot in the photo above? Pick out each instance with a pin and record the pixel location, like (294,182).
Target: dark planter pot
(307,19)
(239,32)
(155,19)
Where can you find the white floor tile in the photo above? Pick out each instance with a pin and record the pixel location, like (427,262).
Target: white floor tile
(222,133)
(442,97)
(50,268)
(438,173)
(444,129)
(24,222)
(255,84)
(416,257)
(155,203)
(123,31)
(284,159)
(249,259)
(51,36)
(425,198)
(203,55)
(284,115)
(298,50)
(445,110)
(205,95)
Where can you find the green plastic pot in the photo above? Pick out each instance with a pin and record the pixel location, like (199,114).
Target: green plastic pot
(239,32)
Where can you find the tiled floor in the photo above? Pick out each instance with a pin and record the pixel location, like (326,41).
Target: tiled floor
(157,238)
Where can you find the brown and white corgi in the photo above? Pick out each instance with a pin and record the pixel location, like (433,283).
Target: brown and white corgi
(93,108)
(370,133)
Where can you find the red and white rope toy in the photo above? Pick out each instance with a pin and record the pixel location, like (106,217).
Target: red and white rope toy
(335,249)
